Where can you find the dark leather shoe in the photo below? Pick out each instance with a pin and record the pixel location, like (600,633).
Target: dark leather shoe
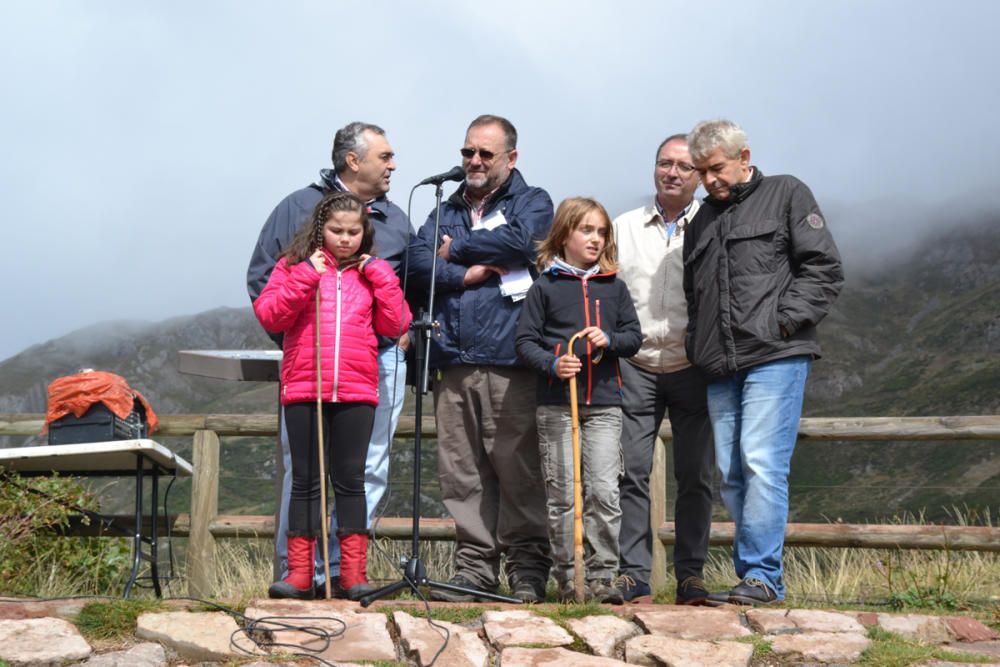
(633,591)
(692,591)
(529,589)
(752,591)
(334,589)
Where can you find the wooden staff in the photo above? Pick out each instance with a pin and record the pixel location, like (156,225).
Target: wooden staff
(324,528)
(578,571)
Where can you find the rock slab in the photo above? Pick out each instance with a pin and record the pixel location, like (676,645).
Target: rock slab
(826,647)
(421,641)
(784,621)
(352,635)
(40,642)
(916,627)
(698,624)
(966,629)
(655,650)
(552,657)
(517,628)
(602,633)
(146,654)
(197,636)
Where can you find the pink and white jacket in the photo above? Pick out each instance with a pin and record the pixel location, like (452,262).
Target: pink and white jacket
(354,308)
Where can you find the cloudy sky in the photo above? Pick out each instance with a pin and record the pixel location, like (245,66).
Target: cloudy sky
(144,144)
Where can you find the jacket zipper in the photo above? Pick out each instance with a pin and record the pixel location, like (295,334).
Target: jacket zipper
(586,319)
(336,344)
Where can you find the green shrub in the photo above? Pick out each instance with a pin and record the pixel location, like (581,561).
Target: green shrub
(35,559)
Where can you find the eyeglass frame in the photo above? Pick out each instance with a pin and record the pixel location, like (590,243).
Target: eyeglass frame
(485,155)
(683,168)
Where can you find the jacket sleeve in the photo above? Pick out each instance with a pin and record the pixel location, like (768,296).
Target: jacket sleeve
(392,315)
(288,291)
(627,335)
(692,304)
(818,274)
(277,232)
(515,243)
(450,276)
(529,338)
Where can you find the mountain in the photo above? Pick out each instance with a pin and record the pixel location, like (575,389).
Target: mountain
(916,335)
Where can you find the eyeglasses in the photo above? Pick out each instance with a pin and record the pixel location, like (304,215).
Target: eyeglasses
(485,155)
(683,168)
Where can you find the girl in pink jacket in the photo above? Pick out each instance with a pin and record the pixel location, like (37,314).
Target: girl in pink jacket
(360,297)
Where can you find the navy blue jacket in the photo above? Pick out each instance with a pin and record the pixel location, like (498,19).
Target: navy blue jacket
(478,323)
(559,305)
(392,234)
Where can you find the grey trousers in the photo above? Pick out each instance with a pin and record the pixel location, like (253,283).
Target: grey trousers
(490,472)
(601,468)
(683,394)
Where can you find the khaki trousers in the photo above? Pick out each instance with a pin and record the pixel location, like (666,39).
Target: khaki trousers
(490,472)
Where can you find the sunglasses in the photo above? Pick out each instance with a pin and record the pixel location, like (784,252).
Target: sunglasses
(485,155)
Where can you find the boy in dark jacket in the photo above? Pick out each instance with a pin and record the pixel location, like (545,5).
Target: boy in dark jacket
(578,293)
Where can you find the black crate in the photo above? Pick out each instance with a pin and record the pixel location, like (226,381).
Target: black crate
(98,424)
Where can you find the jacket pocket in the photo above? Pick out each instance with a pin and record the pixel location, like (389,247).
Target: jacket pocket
(752,247)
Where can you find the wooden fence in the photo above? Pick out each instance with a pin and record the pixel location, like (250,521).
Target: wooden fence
(203,526)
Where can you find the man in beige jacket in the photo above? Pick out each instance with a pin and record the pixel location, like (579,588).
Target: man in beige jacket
(660,379)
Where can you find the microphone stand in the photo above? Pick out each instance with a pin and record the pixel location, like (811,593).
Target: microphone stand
(414,572)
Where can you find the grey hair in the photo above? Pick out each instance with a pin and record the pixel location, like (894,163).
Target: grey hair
(672,137)
(351,139)
(711,134)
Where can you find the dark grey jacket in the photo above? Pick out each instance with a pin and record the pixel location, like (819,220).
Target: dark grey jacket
(760,271)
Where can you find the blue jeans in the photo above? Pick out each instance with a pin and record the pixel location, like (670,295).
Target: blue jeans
(391,391)
(755,418)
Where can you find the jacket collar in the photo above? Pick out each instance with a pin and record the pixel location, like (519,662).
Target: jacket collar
(740,191)
(330,183)
(651,213)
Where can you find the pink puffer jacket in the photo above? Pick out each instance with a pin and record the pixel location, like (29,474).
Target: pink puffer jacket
(354,307)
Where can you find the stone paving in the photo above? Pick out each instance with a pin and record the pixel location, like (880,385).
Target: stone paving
(342,633)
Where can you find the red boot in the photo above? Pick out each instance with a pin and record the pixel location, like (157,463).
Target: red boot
(354,566)
(298,585)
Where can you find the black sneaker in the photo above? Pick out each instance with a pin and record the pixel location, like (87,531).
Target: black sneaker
(335,589)
(604,592)
(529,589)
(692,591)
(567,593)
(633,591)
(441,595)
(752,591)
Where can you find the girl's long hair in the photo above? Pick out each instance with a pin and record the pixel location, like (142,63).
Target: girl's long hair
(568,216)
(310,236)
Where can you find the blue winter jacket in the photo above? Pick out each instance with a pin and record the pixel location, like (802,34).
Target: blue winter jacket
(478,323)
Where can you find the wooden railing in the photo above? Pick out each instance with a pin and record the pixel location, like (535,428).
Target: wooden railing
(204,525)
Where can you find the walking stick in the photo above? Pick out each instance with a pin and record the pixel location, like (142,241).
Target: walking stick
(574,412)
(324,527)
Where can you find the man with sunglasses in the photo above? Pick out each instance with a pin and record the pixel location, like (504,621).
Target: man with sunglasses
(660,379)
(488,459)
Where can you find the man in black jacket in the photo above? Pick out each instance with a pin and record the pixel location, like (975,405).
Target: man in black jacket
(760,271)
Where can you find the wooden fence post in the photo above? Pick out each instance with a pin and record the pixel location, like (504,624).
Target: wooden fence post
(658,514)
(204,508)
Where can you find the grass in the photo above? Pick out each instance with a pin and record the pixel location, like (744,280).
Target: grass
(761,646)
(891,650)
(113,620)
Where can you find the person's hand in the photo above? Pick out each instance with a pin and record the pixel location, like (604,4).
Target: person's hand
(404,342)
(567,366)
(318,260)
(445,247)
(477,273)
(596,337)
(364,262)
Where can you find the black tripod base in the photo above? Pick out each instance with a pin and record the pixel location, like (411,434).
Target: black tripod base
(415,576)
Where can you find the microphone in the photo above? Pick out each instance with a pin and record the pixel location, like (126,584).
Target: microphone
(453,174)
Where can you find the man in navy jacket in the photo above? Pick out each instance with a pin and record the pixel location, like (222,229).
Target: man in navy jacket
(488,458)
